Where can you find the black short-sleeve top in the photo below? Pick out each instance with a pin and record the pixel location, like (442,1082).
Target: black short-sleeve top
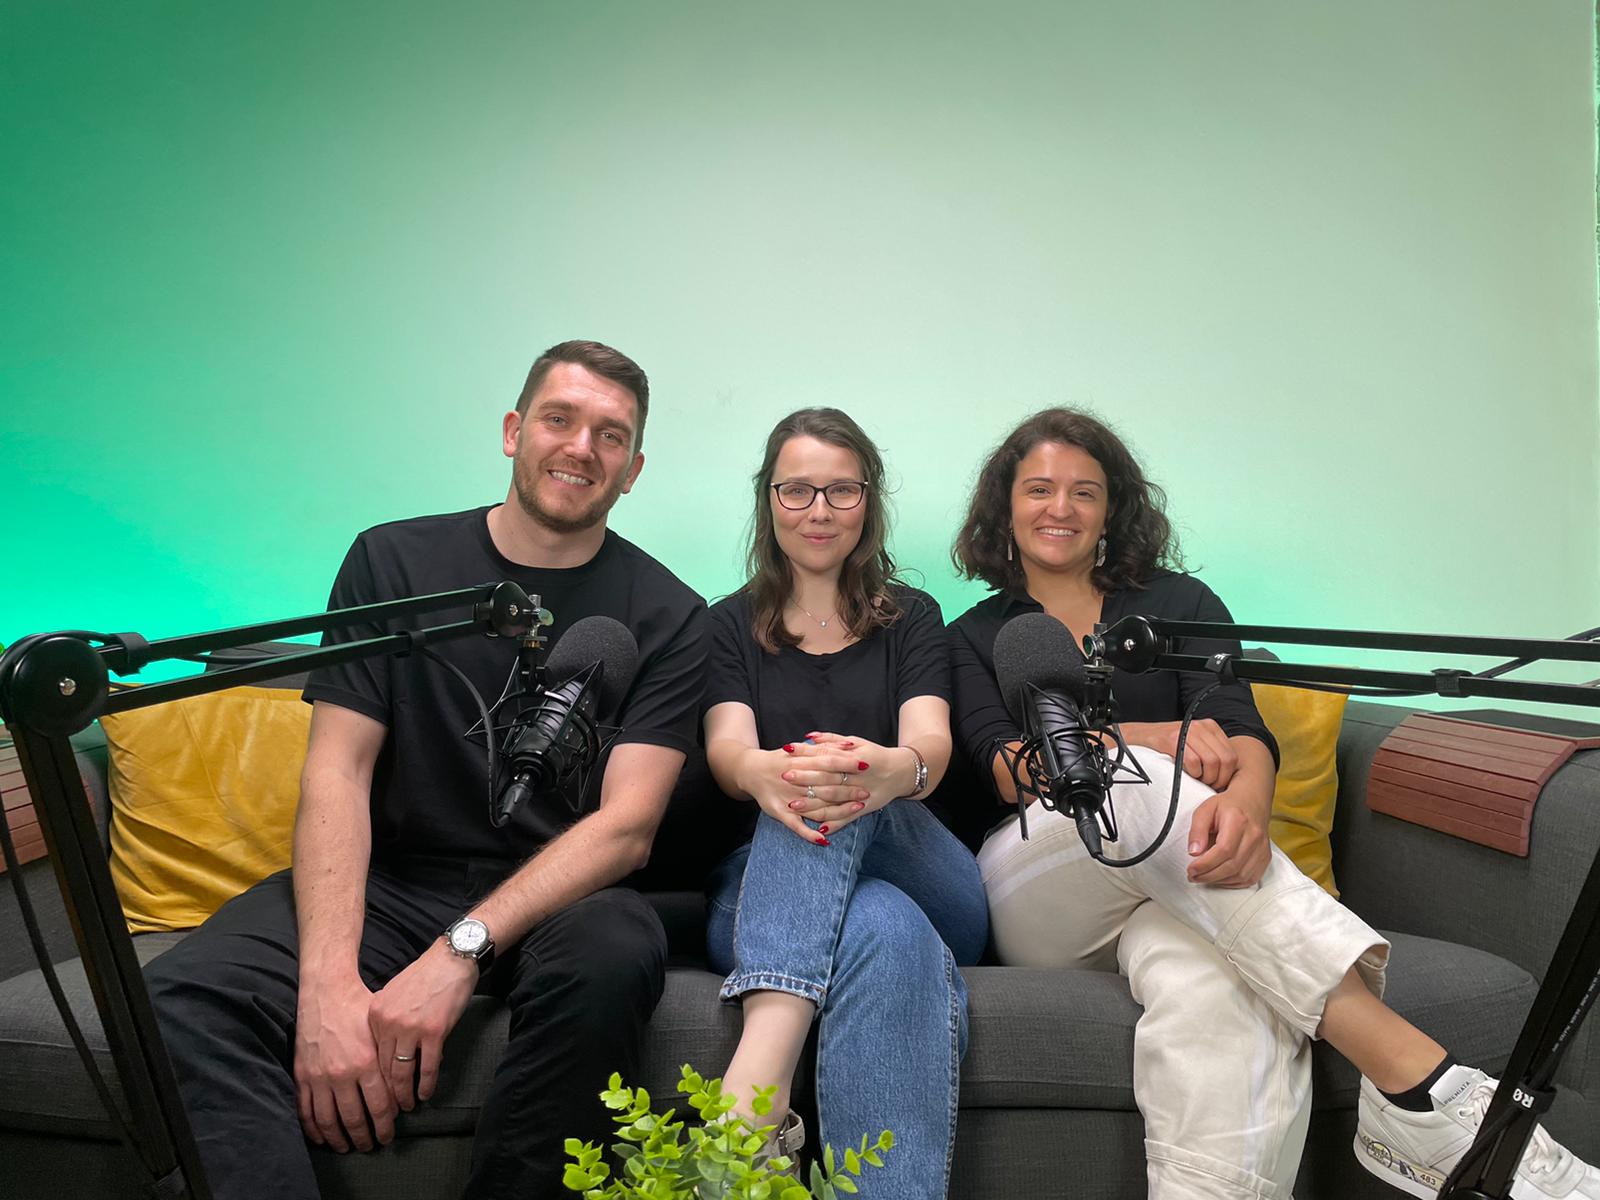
(857,690)
(979,712)
(430,783)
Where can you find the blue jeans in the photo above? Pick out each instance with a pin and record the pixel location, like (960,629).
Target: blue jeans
(871,930)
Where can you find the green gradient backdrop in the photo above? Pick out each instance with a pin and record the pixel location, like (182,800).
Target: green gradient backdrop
(271,273)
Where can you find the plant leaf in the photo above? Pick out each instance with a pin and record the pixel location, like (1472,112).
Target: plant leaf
(576,1179)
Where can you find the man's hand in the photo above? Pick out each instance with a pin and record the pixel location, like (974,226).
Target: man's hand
(412,1015)
(337,1079)
(1208,752)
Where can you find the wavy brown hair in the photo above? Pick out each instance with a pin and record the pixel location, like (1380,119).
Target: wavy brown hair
(865,602)
(1139,538)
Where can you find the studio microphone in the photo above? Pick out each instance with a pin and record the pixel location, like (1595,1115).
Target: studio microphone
(1041,675)
(589,671)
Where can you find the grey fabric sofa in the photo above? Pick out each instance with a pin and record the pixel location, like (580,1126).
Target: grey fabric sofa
(1047,1100)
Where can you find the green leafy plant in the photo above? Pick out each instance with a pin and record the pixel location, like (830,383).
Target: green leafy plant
(722,1158)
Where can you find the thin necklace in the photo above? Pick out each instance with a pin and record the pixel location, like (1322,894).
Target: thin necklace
(821,624)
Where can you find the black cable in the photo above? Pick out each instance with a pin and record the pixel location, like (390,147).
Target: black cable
(1177,786)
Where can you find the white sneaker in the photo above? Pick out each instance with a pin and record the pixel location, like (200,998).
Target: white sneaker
(1415,1151)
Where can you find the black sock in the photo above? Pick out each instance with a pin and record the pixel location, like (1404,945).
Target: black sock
(1417,1099)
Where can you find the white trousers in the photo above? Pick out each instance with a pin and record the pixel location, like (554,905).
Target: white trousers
(1232,980)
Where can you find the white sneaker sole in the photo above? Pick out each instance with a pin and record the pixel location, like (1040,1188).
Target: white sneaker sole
(1397,1172)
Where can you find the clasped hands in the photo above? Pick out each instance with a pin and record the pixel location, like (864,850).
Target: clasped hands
(362,1056)
(829,779)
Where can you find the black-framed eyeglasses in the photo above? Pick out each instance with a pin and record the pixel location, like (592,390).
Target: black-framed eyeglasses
(795,496)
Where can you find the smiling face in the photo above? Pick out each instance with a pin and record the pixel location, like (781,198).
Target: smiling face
(572,449)
(817,539)
(1059,506)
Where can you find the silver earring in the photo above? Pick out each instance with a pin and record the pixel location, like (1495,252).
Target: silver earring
(1011,545)
(1100,551)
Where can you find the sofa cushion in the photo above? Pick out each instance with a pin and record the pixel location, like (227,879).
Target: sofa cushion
(1306,726)
(1064,1039)
(43,1085)
(1040,1038)
(1048,1038)
(203,793)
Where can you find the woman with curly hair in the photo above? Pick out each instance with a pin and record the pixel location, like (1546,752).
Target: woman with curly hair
(828,705)
(1238,959)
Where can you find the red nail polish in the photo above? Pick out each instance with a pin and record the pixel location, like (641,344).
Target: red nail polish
(861,766)
(824,842)
(847,745)
(788,749)
(822,829)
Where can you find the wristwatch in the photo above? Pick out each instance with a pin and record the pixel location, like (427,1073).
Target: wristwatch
(469,938)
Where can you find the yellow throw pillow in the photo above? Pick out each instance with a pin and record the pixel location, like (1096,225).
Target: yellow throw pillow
(203,796)
(1306,725)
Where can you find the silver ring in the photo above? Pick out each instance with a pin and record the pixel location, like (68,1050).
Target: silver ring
(405,1058)
(844,778)
(811,792)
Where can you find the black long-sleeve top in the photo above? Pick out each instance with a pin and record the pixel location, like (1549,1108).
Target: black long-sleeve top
(979,717)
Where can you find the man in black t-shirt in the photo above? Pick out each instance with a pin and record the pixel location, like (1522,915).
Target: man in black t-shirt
(316,1005)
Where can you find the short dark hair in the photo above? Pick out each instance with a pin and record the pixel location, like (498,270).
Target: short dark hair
(604,361)
(1139,538)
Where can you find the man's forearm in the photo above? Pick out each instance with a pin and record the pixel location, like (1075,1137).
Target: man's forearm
(332,849)
(594,853)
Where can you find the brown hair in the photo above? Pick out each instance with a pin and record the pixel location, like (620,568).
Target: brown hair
(1139,538)
(604,362)
(865,603)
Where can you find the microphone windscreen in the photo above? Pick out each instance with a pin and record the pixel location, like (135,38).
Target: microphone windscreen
(592,640)
(1038,649)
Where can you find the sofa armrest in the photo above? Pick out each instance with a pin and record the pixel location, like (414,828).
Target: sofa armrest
(1405,877)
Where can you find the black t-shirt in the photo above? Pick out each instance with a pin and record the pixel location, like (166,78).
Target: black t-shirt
(430,784)
(857,690)
(979,711)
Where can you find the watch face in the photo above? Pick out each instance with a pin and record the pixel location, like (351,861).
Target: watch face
(469,936)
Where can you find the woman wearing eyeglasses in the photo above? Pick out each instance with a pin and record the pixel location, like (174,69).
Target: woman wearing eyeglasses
(828,705)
